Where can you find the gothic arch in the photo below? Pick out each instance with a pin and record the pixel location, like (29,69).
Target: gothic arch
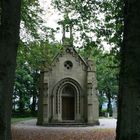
(57,96)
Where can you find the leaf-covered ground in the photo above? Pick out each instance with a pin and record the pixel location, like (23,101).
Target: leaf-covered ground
(28,131)
(61,134)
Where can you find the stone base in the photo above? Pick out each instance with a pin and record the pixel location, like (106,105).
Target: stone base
(94,123)
(69,124)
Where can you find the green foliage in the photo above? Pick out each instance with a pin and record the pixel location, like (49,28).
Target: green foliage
(107,77)
(113,24)
(107,71)
(32,24)
(23,86)
(29,16)
(31,58)
(32,55)
(96,21)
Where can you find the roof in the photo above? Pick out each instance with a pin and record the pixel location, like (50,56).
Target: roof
(72,51)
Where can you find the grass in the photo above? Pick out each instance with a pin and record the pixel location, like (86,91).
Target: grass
(16,120)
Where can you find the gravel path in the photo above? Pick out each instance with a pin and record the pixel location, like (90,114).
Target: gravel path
(27,130)
(104,123)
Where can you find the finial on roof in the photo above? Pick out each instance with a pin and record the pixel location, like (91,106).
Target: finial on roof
(67,25)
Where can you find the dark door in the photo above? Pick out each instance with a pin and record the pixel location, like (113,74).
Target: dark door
(68,108)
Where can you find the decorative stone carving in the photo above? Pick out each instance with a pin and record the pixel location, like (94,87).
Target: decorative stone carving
(71,86)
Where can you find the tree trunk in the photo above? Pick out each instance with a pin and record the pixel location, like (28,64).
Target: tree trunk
(33,105)
(21,103)
(128,125)
(13,104)
(100,109)
(35,92)
(109,105)
(9,37)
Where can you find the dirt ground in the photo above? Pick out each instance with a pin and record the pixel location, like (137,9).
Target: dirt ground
(27,130)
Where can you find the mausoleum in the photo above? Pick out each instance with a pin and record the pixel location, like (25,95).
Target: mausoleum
(68,89)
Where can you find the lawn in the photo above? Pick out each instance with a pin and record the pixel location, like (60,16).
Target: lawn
(16,120)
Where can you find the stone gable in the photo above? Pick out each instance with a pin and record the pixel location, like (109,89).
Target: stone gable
(68,89)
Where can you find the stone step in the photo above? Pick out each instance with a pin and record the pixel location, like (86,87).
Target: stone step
(68,124)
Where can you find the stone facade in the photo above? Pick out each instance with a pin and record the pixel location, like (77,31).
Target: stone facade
(68,90)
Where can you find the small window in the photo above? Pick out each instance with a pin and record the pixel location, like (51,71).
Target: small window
(68,64)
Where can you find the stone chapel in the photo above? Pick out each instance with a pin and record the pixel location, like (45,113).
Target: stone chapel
(68,89)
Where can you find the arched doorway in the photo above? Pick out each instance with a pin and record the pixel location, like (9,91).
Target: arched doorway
(68,102)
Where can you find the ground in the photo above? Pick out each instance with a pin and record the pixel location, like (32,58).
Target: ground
(27,130)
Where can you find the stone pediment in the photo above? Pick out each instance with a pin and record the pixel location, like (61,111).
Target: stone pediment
(73,53)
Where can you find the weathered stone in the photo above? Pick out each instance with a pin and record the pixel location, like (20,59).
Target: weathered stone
(69,90)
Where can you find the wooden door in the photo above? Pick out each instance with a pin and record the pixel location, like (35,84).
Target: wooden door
(68,108)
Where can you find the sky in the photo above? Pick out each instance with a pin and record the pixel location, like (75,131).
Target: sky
(51,16)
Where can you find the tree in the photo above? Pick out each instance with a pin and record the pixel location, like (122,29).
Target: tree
(9,37)
(107,69)
(128,125)
(33,26)
(23,87)
(30,19)
(107,77)
(31,59)
(96,21)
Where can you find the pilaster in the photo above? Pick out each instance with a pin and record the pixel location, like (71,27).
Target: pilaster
(92,100)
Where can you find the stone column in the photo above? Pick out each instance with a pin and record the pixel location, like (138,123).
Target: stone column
(40,101)
(92,100)
(46,96)
(78,113)
(59,107)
